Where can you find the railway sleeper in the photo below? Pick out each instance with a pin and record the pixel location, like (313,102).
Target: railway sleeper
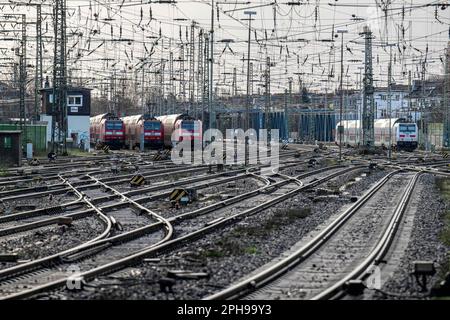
(186,274)
(64,221)
(85,253)
(41,188)
(9,257)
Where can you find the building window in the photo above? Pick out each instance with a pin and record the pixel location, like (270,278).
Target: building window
(50,98)
(7,143)
(75,101)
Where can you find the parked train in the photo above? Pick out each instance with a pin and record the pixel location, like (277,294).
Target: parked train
(187,128)
(143,127)
(404,134)
(107,129)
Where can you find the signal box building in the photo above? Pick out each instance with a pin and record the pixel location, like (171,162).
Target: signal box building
(78,113)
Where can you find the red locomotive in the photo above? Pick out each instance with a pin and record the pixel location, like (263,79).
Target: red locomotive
(187,128)
(145,127)
(107,129)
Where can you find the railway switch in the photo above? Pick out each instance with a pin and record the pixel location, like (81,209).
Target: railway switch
(166,284)
(114,169)
(116,224)
(51,157)
(354,287)
(34,162)
(183,196)
(137,180)
(65,221)
(161,156)
(13,257)
(422,270)
(372,165)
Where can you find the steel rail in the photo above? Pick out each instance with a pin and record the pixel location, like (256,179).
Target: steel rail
(43,211)
(88,186)
(379,250)
(167,225)
(115,180)
(83,185)
(100,214)
(262,278)
(171,243)
(28,177)
(85,213)
(126,235)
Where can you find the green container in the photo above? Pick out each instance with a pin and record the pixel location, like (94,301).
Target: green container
(35,133)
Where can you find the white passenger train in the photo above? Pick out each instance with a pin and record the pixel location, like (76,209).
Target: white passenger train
(404,134)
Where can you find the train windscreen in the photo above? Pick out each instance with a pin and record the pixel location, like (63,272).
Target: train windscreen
(152,125)
(407,128)
(113,125)
(188,125)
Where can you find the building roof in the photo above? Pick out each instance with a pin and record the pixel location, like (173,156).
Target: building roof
(68,89)
(394,87)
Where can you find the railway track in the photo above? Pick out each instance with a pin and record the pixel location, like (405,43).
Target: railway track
(345,249)
(127,248)
(8,185)
(108,171)
(100,194)
(126,216)
(72,206)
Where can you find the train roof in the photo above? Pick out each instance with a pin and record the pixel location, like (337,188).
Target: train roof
(108,116)
(175,117)
(138,117)
(378,123)
(169,117)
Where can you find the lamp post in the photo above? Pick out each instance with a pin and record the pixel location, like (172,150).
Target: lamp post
(341,128)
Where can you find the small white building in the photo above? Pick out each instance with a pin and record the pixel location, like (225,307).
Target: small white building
(399,102)
(78,114)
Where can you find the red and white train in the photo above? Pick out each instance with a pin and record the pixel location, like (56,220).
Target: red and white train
(186,128)
(107,129)
(143,127)
(404,135)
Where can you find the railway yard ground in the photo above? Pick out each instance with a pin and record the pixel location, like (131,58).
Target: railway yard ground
(131,225)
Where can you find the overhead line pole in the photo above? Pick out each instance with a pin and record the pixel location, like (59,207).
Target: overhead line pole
(247,105)
(38,70)
(212,116)
(341,88)
(390,99)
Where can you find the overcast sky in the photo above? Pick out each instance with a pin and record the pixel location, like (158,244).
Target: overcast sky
(295,37)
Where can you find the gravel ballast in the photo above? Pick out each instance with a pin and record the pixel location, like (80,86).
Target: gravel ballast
(49,240)
(424,245)
(227,255)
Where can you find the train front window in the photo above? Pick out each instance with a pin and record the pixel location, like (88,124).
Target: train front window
(113,125)
(152,125)
(190,126)
(407,128)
